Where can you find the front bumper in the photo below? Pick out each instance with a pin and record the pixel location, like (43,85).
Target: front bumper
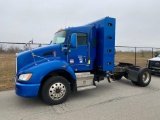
(27,90)
(155,71)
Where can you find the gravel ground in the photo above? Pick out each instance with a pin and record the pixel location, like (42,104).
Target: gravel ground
(120,100)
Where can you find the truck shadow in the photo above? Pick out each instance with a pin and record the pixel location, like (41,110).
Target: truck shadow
(77,96)
(80,95)
(30,102)
(125,81)
(156,75)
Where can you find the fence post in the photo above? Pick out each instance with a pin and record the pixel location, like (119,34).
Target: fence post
(135,56)
(152,52)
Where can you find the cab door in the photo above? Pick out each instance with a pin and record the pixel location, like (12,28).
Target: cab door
(78,57)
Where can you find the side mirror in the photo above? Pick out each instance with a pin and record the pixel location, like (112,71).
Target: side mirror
(50,42)
(74,40)
(156,54)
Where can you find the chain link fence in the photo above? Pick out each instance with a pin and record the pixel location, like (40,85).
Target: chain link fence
(134,55)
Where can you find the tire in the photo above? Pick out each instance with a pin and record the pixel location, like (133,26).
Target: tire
(55,90)
(135,83)
(144,77)
(116,77)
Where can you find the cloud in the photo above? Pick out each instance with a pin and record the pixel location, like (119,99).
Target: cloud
(137,21)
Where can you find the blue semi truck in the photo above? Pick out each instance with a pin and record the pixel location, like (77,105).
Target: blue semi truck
(51,71)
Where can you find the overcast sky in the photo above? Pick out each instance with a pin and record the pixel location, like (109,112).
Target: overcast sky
(137,21)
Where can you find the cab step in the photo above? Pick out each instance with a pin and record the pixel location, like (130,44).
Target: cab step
(85,82)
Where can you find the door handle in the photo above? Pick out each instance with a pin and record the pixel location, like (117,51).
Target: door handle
(84,59)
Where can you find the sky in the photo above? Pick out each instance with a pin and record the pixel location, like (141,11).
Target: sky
(137,21)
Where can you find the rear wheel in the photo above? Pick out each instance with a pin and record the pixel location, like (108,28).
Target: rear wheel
(144,78)
(55,90)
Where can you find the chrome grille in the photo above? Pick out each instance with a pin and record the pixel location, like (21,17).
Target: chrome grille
(154,64)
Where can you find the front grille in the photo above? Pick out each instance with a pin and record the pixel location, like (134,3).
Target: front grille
(154,64)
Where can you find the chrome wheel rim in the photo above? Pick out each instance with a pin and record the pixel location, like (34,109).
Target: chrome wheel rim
(146,77)
(57,91)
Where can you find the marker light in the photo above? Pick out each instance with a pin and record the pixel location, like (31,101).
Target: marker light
(54,53)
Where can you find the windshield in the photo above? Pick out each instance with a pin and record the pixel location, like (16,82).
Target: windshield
(59,37)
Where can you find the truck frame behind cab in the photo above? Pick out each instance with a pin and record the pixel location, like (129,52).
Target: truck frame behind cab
(139,76)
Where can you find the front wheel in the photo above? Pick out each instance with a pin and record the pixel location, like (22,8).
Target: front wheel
(55,90)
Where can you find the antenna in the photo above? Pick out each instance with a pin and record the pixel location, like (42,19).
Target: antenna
(66,18)
(66,22)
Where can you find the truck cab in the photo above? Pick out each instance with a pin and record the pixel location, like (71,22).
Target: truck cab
(154,64)
(51,71)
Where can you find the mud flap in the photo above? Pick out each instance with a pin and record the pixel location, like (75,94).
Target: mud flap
(133,74)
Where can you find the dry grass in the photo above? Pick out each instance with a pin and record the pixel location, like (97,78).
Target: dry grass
(129,57)
(7,66)
(7,71)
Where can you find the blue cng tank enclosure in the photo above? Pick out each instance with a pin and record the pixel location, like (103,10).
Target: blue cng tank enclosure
(105,43)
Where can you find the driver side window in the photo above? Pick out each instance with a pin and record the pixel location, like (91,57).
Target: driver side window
(81,39)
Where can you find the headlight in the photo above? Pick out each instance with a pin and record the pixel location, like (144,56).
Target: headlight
(25,77)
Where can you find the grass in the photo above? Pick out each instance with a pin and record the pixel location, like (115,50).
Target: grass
(141,57)
(7,65)
(7,71)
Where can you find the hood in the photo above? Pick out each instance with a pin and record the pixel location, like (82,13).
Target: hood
(155,59)
(41,55)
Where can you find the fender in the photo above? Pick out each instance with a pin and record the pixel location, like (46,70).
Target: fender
(41,70)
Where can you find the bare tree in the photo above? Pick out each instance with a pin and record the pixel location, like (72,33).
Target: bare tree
(13,49)
(1,48)
(25,47)
(142,53)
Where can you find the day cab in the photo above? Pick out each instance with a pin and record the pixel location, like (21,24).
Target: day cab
(52,71)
